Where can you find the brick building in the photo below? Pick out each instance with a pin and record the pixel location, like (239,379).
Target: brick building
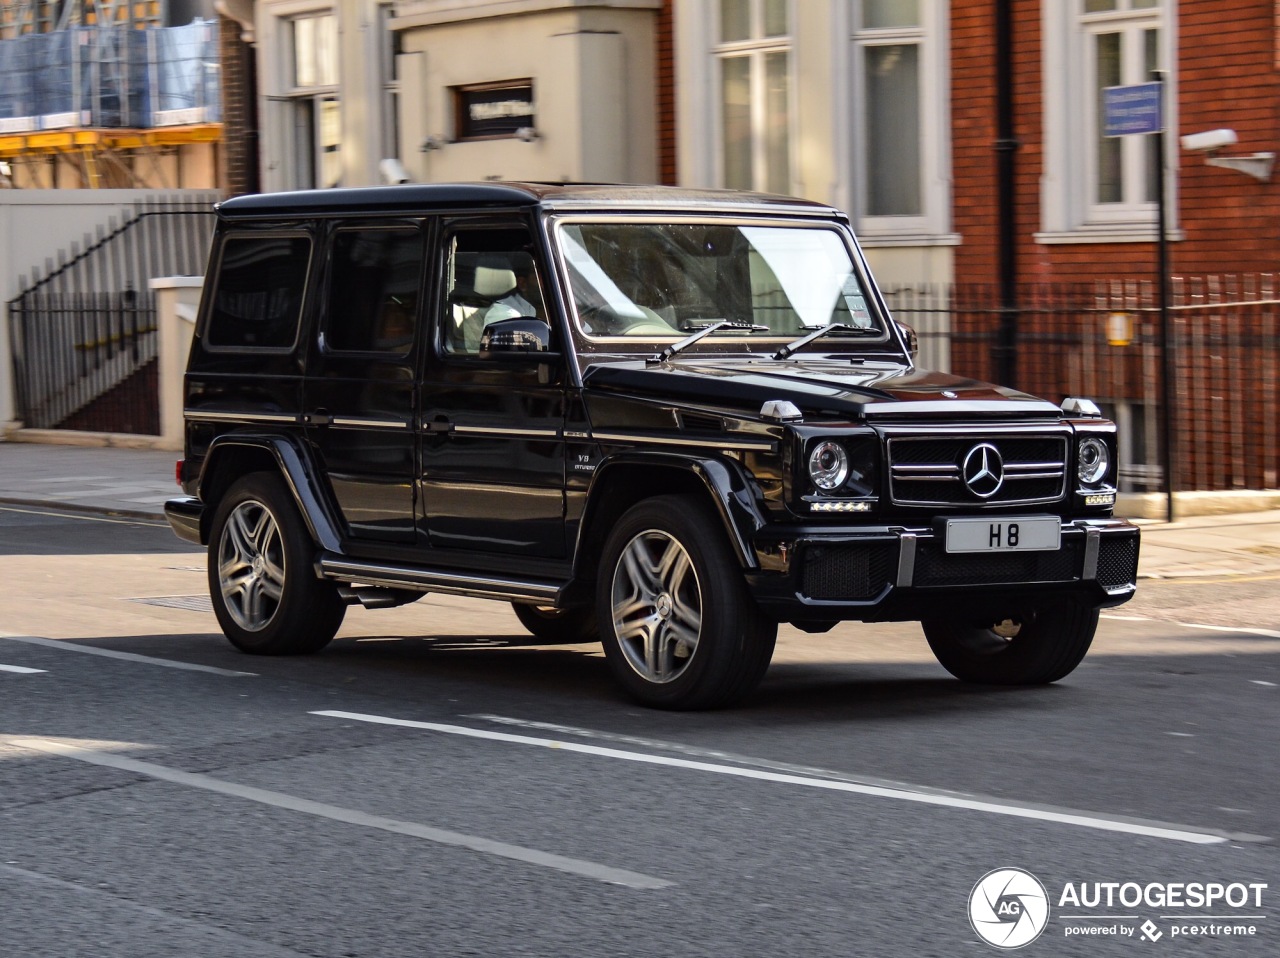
(1085,206)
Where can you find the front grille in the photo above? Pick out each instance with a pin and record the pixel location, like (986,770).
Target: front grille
(928,470)
(849,572)
(1117,561)
(937,567)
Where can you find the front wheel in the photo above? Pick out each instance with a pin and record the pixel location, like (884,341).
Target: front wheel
(679,627)
(265,594)
(1035,649)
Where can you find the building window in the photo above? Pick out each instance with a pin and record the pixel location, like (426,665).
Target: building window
(1095,183)
(317,109)
(900,85)
(1122,47)
(754,62)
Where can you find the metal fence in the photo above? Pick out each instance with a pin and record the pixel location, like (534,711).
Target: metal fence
(1102,340)
(85,325)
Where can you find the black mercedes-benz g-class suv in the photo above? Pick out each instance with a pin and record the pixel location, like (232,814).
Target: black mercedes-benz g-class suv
(663,419)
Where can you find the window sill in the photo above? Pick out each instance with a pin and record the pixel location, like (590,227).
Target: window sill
(1137,233)
(878,240)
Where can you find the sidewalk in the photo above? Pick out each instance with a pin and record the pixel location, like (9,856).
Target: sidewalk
(136,482)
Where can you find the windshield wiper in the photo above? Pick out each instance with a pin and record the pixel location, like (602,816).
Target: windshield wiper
(821,331)
(688,341)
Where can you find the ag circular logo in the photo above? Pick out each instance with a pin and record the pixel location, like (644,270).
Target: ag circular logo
(1008,908)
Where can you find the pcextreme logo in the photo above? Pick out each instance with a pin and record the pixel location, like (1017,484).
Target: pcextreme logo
(1009,908)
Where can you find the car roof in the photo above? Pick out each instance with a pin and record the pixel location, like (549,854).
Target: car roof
(409,198)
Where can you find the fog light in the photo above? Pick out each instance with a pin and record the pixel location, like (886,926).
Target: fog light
(1101,499)
(840,506)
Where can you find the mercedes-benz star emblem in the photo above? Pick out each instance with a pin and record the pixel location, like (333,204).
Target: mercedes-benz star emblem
(983,470)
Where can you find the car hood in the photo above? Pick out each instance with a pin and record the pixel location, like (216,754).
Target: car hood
(861,390)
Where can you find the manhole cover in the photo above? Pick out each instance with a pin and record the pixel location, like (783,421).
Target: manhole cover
(192,603)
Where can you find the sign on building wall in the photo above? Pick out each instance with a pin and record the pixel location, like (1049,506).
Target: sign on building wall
(1132,109)
(489,110)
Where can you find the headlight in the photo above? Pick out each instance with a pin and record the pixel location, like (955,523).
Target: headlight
(1092,460)
(828,465)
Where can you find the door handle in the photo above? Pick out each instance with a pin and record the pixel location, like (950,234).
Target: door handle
(319,417)
(438,425)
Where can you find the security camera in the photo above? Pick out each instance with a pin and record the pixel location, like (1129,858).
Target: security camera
(393,171)
(527,134)
(1210,140)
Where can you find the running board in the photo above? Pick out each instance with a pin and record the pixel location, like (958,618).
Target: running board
(394,576)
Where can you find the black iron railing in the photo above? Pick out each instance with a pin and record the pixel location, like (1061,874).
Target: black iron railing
(84,326)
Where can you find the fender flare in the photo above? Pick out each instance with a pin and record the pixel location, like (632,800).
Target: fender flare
(300,474)
(728,485)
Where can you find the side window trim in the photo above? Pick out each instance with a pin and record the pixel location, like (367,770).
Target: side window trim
(420,313)
(448,231)
(209,299)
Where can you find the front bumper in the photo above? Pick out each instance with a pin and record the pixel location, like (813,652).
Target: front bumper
(810,574)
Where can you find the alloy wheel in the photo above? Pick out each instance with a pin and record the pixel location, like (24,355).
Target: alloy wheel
(657,606)
(251,565)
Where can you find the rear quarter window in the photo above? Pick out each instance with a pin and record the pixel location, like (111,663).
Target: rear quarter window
(258,292)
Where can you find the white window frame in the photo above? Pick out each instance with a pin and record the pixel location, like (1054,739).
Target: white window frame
(389,81)
(1070,212)
(281,157)
(754,50)
(932,38)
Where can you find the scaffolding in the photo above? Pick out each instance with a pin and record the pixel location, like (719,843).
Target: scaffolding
(99,90)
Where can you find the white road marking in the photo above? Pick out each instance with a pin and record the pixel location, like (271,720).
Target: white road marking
(19,669)
(1182,734)
(1267,633)
(1231,629)
(1270,685)
(902,792)
(350,816)
(126,656)
(246,945)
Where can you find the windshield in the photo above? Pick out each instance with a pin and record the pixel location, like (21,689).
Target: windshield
(649,280)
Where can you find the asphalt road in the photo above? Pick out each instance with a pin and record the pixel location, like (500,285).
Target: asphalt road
(434,785)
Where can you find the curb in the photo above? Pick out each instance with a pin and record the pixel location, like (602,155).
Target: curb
(94,440)
(84,509)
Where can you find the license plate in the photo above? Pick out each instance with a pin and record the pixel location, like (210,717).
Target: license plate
(1035,534)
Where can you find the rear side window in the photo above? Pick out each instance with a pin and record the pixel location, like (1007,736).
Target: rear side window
(373,290)
(258,293)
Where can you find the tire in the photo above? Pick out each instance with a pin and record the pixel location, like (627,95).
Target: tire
(558,626)
(1042,648)
(679,627)
(265,595)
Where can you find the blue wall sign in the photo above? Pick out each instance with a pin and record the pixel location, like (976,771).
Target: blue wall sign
(1132,109)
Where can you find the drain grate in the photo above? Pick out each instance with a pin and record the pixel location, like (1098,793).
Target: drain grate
(192,603)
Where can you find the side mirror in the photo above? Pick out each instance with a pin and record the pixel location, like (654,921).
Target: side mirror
(516,339)
(913,341)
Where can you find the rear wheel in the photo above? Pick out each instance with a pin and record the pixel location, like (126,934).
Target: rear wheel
(265,595)
(679,627)
(1035,649)
(554,625)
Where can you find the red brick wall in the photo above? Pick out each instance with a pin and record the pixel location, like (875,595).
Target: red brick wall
(666,93)
(239,172)
(1227,77)
(133,406)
